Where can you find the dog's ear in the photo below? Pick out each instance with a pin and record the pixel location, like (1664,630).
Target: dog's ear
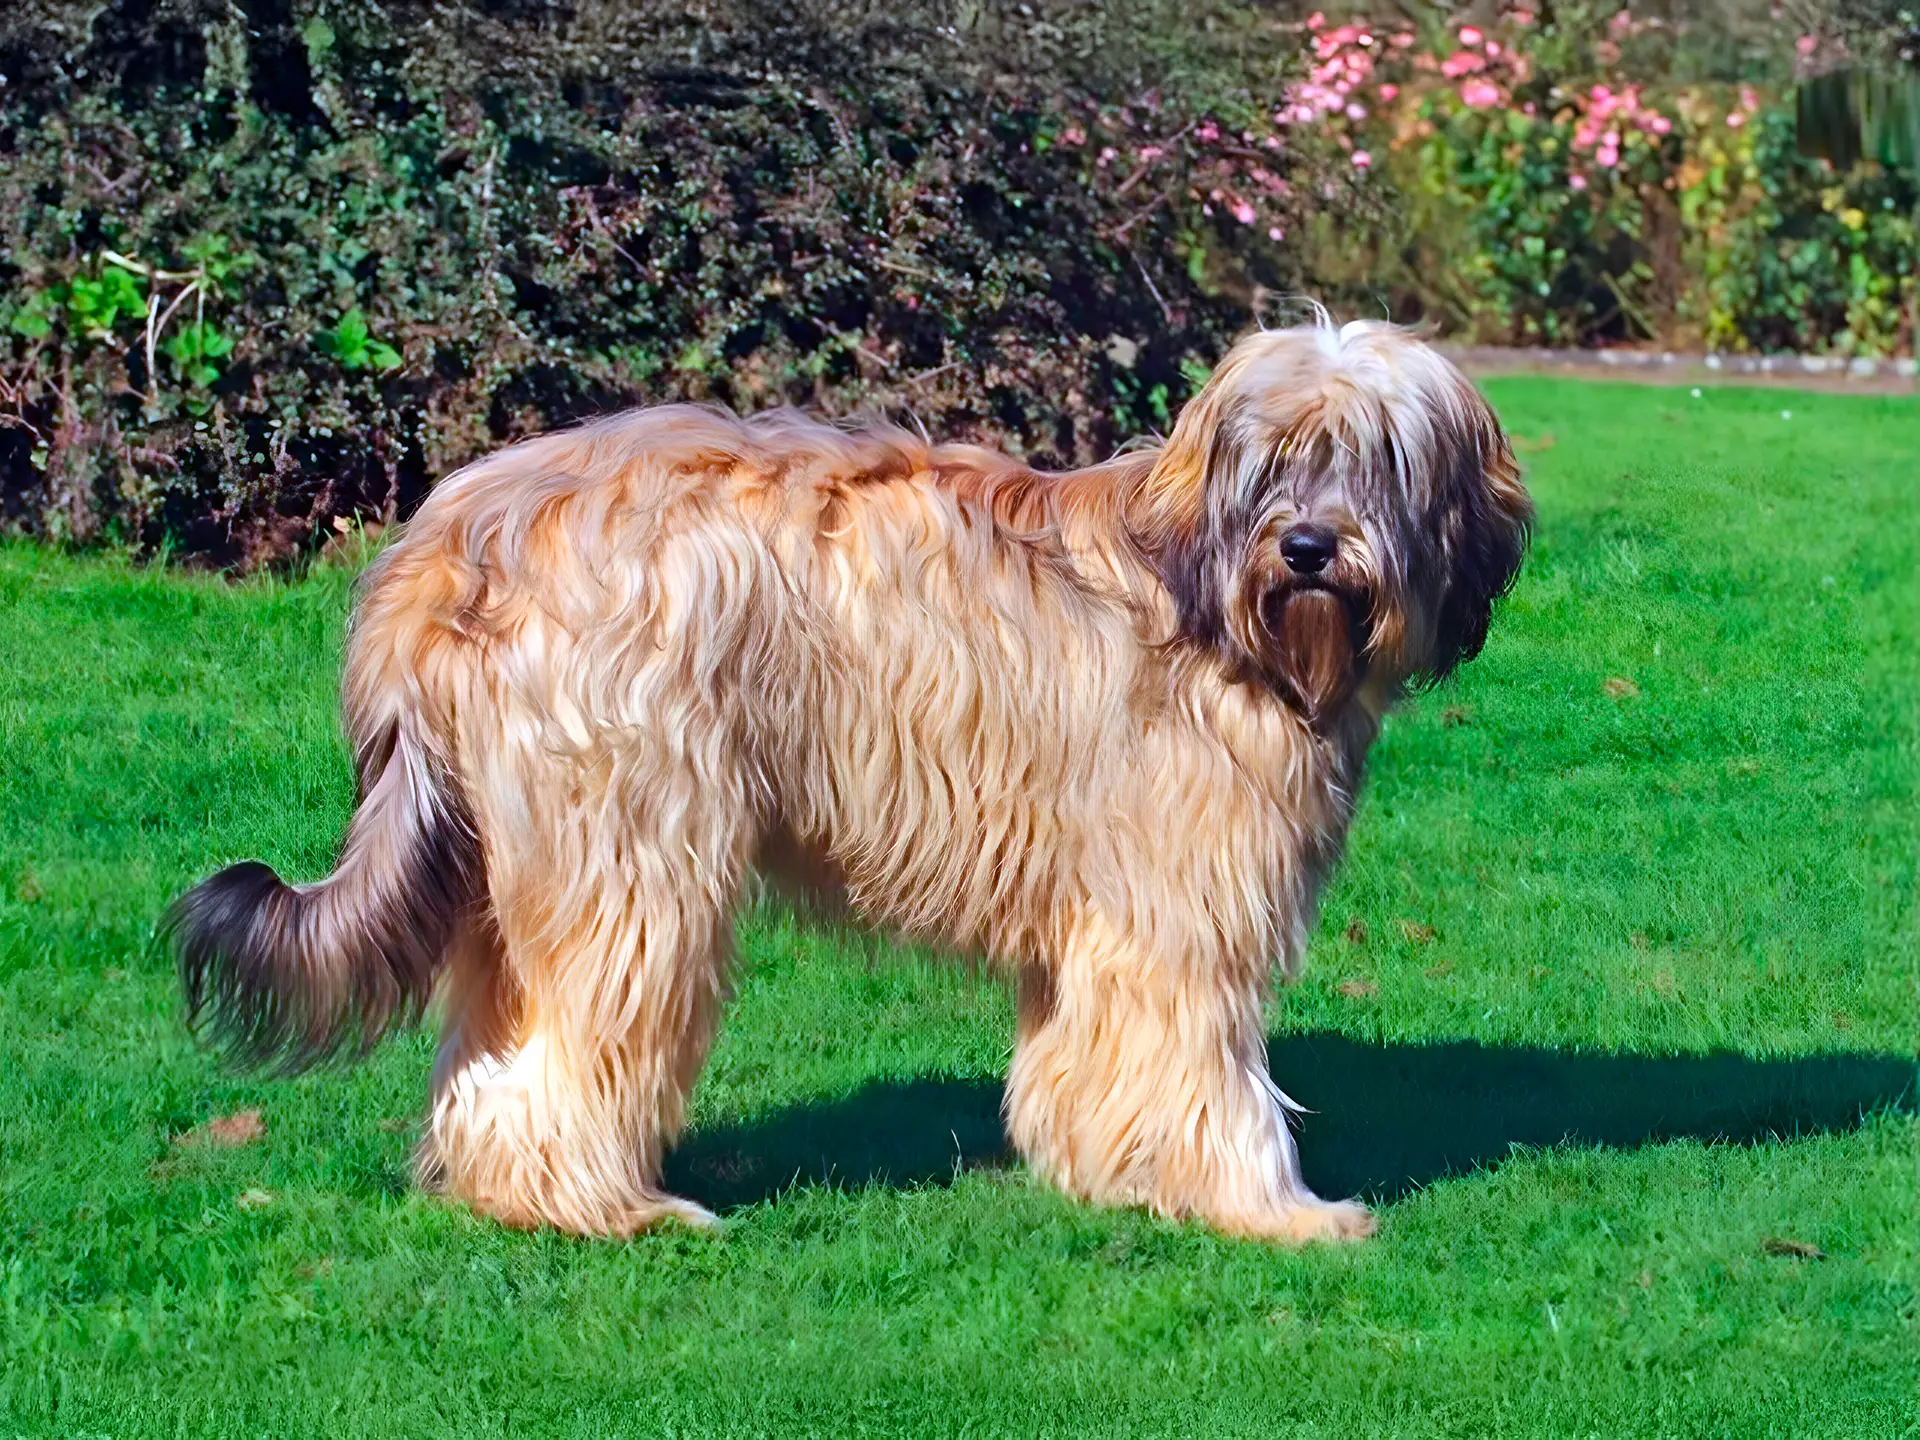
(1172,499)
(1173,517)
(1484,520)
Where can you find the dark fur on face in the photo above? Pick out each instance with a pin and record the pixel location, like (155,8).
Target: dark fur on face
(1381,452)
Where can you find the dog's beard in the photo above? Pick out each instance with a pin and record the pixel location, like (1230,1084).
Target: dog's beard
(1316,646)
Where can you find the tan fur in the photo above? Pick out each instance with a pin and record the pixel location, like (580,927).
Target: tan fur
(1062,721)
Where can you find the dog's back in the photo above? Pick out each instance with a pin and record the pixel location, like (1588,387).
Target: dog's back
(900,658)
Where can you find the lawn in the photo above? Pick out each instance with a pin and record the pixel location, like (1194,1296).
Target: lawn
(1611,1010)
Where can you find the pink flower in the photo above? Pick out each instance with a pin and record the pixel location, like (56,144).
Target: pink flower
(1073,135)
(1806,45)
(1316,20)
(1356,111)
(1660,125)
(1601,93)
(1480,94)
(1208,131)
(1462,62)
(1493,48)
(1522,17)
(1607,156)
(1528,108)
(1272,142)
(1364,38)
(1243,212)
(1736,120)
(1274,232)
(1107,154)
(1151,152)
(1469,35)
(1749,100)
(1621,22)
(1576,182)
(1402,40)
(1389,93)
(1361,159)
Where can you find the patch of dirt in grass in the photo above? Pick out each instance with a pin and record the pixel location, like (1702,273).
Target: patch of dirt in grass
(1792,1249)
(224,1132)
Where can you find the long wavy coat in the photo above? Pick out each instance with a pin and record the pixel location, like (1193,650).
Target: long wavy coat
(1104,728)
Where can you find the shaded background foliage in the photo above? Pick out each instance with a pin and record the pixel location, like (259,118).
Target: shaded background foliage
(405,232)
(271,266)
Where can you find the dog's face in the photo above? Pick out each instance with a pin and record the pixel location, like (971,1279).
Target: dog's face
(1337,506)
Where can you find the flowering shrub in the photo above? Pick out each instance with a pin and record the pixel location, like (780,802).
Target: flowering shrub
(1553,185)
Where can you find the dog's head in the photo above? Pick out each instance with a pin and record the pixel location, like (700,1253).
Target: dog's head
(1338,505)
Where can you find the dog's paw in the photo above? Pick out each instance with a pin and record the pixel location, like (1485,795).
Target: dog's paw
(1309,1220)
(614,1220)
(660,1212)
(1331,1220)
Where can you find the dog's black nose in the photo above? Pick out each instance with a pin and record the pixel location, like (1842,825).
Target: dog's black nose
(1307,549)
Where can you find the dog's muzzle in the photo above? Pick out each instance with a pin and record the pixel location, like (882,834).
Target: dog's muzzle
(1319,640)
(1309,549)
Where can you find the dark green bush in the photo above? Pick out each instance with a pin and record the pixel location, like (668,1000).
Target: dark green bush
(265,270)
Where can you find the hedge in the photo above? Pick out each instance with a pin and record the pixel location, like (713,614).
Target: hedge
(268,267)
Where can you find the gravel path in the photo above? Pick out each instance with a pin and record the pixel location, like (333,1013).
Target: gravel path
(1667,367)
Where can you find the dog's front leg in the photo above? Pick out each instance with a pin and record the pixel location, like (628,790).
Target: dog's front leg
(1136,1082)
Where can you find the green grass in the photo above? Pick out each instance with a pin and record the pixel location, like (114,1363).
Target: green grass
(1616,986)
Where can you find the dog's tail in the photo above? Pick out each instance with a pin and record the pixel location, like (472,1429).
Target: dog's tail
(298,973)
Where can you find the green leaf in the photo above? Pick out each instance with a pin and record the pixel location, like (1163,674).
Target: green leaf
(351,337)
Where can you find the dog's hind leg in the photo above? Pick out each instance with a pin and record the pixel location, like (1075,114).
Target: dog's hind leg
(567,1070)
(1139,1081)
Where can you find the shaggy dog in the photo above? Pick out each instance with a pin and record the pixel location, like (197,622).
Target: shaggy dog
(1102,727)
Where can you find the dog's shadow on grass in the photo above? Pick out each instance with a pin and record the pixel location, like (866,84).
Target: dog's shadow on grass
(1387,1118)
